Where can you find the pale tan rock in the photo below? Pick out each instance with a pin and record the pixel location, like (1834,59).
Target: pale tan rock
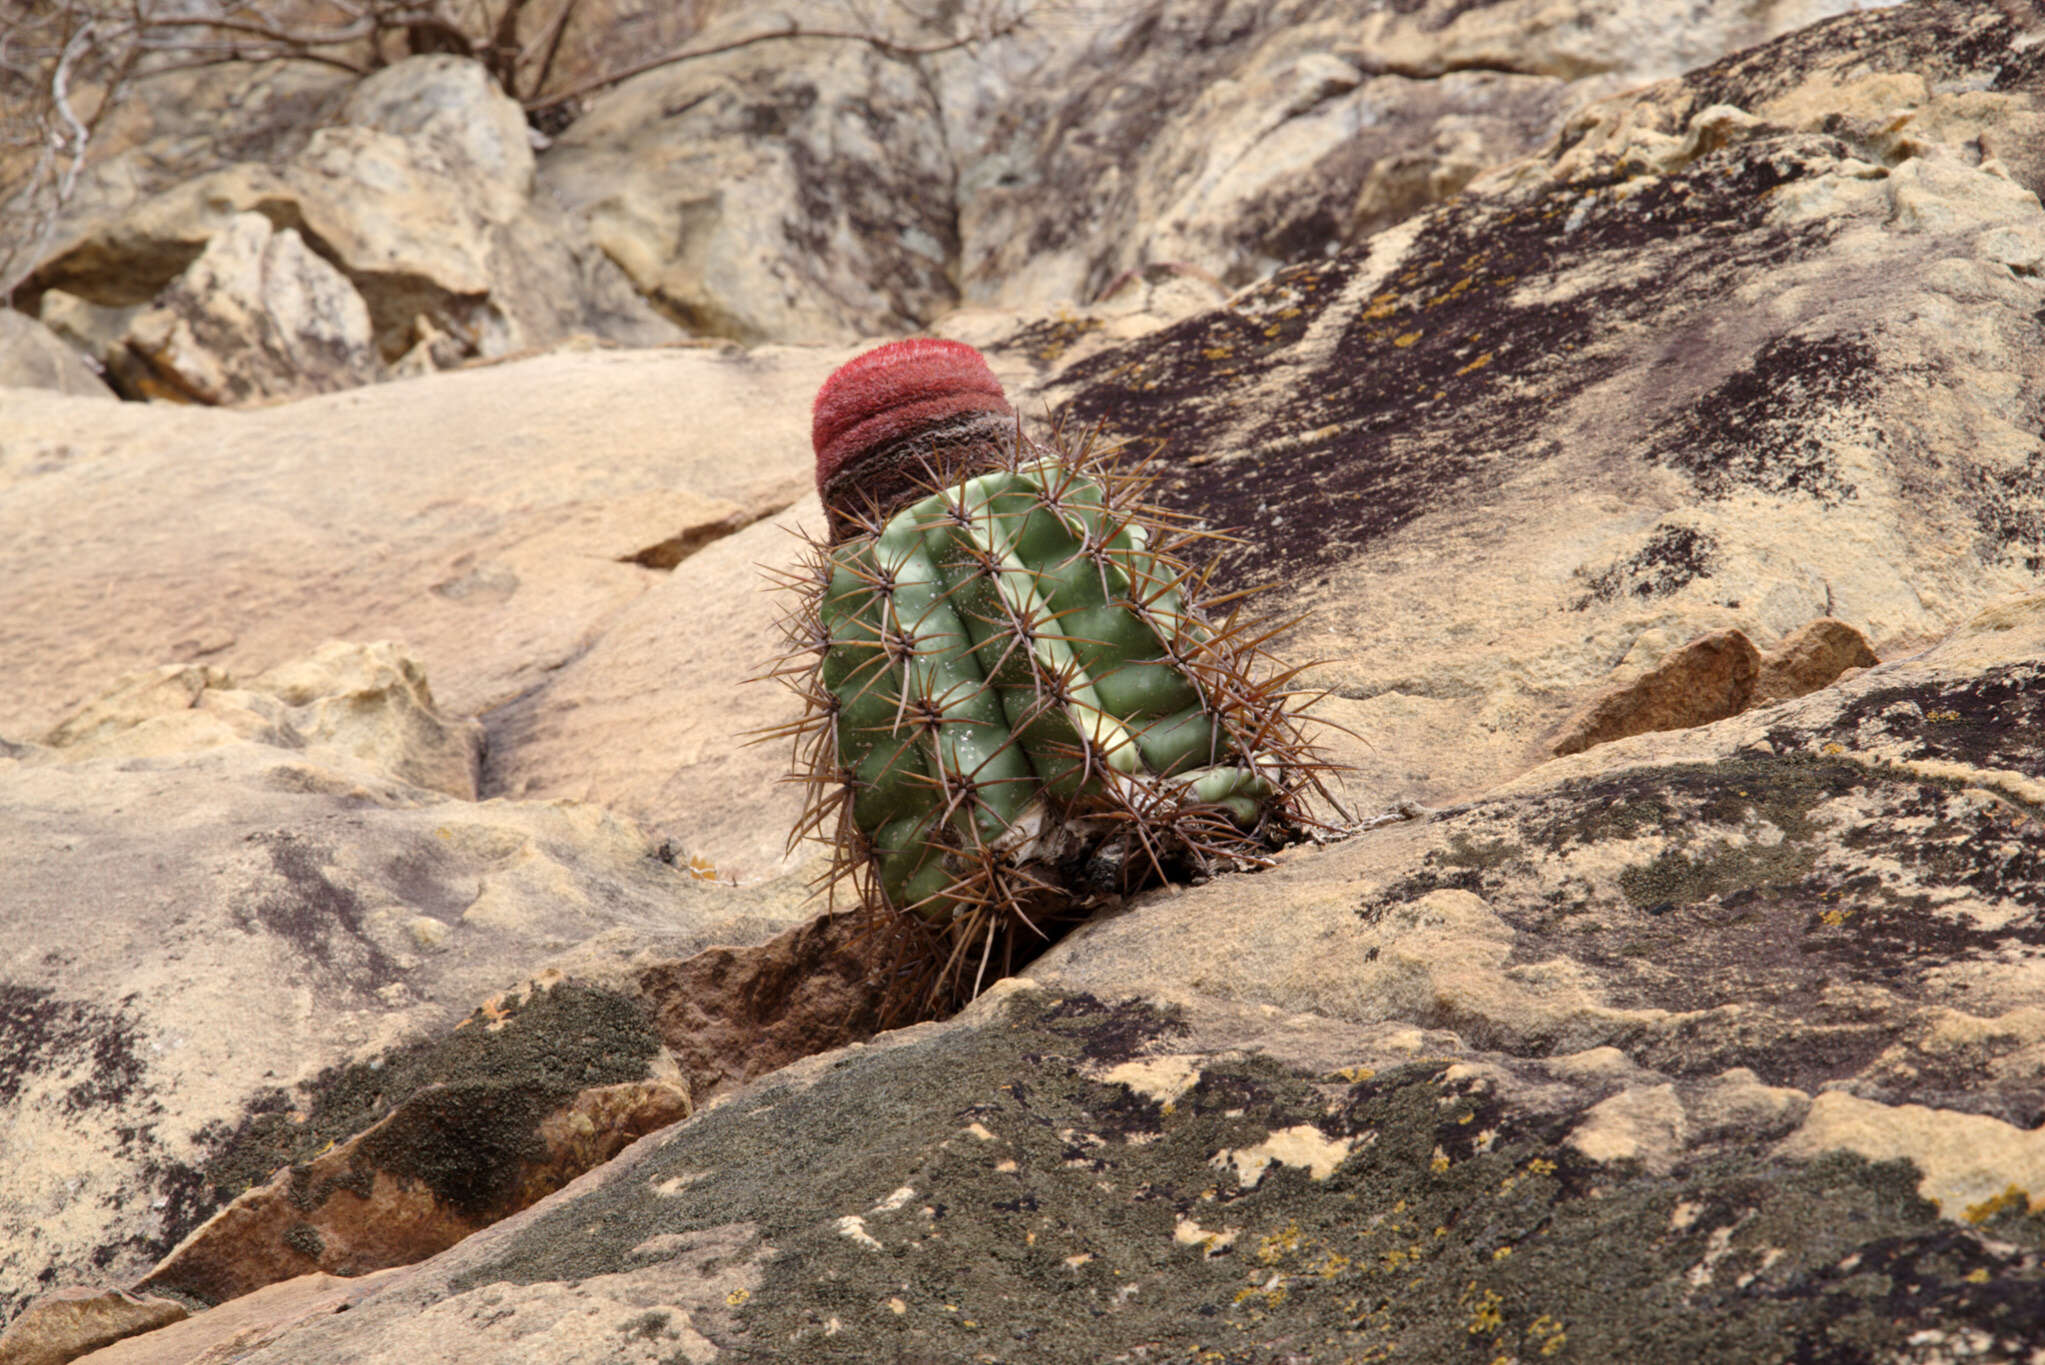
(1813,656)
(34,357)
(1630,900)
(658,718)
(346,704)
(63,1325)
(453,106)
(1967,1160)
(482,519)
(256,316)
(1708,679)
(839,225)
(220,1335)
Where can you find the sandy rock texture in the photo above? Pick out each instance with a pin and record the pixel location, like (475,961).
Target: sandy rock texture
(1713,1044)
(236,915)
(1703,409)
(34,357)
(492,519)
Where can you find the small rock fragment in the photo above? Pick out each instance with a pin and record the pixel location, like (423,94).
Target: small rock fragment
(66,1323)
(1708,679)
(1811,657)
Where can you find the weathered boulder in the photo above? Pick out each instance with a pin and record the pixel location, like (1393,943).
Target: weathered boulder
(1708,679)
(420,196)
(64,1325)
(812,189)
(798,190)
(1718,1041)
(1631,1061)
(257,315)
(1691,369)
(348,703)
(34,357)
(1813,656)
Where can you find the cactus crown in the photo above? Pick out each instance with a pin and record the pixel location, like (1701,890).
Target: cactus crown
(884,419)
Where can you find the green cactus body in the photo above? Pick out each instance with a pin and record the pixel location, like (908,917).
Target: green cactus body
(1005,656)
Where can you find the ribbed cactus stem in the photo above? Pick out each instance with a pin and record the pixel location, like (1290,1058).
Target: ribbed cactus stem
(1014,703)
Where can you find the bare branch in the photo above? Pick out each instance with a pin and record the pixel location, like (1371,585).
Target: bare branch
(871,38)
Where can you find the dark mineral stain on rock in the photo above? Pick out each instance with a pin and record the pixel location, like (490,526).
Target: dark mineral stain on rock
(312,912)
(1051,1219)
(1407,411)
(1671,559)
(44,1034)
(1755,897)
(1767,427)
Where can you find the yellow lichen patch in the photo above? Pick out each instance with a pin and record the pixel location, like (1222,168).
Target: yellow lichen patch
(1405,339)
(1485,1313)
(1383,306)
(1835,918)
(2012,1199)
(1548,1334)
(701,868)
(1479,363)
(1279,1244)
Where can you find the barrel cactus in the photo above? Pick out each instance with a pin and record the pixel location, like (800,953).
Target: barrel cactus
(1015,704)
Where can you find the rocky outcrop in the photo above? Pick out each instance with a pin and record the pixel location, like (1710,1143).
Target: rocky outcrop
(1712,1041)
(827,190)
(1537,1071)
(491,520)
(447,253)
(64,1325)
(284,918)
(1633,391)
(257,315)
(823,189)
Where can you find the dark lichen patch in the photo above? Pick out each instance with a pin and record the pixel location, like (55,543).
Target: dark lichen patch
(1771,426)
(1467,863)
(304,1239)
(1672,558)
(1752,916)
(1438,387)
(468,1103)
(1047,340)
(1995,720)
(42,1034)
(1450,1223)
(1950,45)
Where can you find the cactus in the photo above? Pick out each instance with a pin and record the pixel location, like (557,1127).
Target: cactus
(1014,705)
